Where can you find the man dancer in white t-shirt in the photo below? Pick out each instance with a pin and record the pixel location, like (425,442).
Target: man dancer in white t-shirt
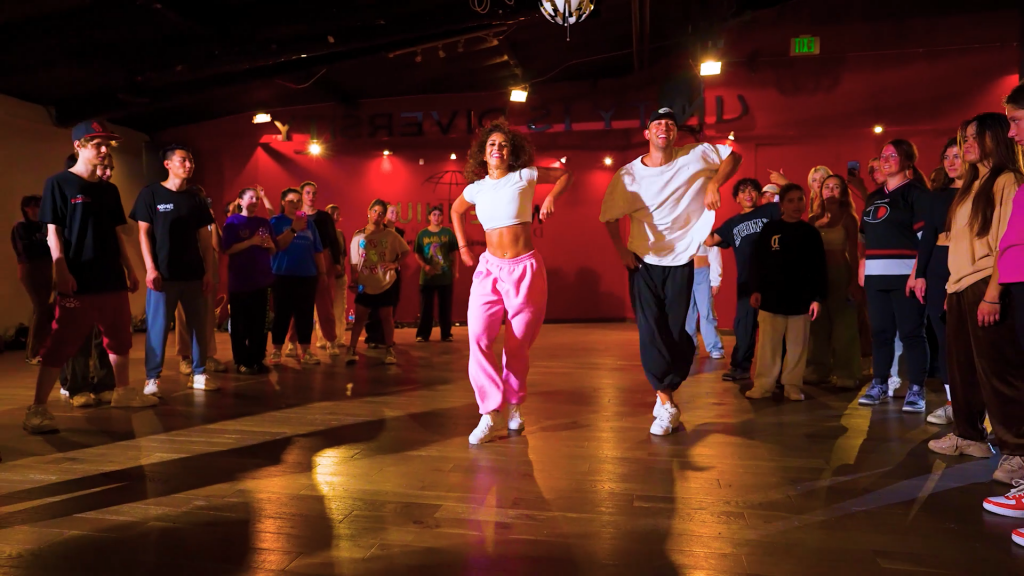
(670,195)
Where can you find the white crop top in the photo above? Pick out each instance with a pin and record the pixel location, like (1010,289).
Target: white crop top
(503,202)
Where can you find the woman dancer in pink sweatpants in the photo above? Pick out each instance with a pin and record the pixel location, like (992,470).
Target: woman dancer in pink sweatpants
(511,274)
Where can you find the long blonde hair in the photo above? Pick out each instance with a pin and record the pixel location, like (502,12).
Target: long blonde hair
(816,196)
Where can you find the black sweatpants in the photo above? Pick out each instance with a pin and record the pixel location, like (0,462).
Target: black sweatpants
(250,322)
(661,299)
(744,325)
(934,302)
(444,310)
(891,310)
(294,298)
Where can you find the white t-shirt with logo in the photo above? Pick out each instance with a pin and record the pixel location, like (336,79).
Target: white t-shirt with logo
(506,201)
(667,218)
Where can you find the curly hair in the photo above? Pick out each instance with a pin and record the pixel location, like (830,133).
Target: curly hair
(520,153)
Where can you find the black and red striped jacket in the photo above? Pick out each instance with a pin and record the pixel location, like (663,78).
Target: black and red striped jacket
(891,227)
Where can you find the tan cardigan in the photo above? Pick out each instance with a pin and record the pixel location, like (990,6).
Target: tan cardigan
(970,258)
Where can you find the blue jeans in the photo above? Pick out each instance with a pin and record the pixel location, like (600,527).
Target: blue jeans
(703,304)
(160,307)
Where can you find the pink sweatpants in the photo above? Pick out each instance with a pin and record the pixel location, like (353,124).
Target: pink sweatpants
(519,285)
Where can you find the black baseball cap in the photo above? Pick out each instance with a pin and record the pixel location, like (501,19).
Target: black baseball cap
(661,114)
(92,129)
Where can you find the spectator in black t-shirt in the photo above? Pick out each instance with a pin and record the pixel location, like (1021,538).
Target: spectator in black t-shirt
(326,323)
(92,268)
(789,281)
(374,329)
(177,246)
(35,271)
(740,233)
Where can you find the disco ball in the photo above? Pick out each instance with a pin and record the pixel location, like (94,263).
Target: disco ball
(565,12)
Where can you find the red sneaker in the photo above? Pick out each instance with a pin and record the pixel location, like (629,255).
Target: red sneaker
(1012,504)
(1018,536)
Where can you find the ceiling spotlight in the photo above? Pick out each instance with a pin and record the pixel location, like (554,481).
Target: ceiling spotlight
(563,159)
(878,129)
(452,156)
(314,148)
(440,51)
(419,56)
(387,152)
(732,136)
(607,160)
(519,94)
(261,118)
(710,68)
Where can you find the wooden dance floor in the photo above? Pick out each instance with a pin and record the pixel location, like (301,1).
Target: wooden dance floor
(367,470)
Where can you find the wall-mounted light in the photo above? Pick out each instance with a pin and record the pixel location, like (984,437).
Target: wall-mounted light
(519,94)
(879,129)
(710,68)
(452,156)
(387,152)
(731,136)
(261,118)
(608,160)
(314,148)
(564,159)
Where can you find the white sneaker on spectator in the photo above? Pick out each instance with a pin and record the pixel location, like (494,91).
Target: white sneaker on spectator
(202,382)
(515,418)
(152,387)
(943,415)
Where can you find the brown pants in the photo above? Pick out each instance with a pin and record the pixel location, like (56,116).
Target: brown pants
(986,371)
(37,278)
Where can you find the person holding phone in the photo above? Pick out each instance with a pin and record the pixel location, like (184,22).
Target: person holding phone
(298,267)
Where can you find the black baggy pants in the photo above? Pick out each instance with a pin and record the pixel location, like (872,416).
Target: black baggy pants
(294,299)
(250,322)
(443,294)
(661,299)
(891,310)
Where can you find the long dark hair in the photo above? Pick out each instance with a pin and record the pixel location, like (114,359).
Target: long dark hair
(520,150)
(908,159)
(1005,156)
(946,181)
(845,202)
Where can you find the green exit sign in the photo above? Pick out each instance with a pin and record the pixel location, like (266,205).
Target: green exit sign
(805,46)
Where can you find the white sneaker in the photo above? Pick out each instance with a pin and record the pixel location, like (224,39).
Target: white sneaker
(290,351)
(894,384)
(202,382)
(657,406)
(717,354)
(64,394)
(941,416)
(323,344)
(38,420)
(185,366)
(666,421)
(104,397)
(152,388)
(793,393)
(350,356)
(515,418)
(487,429)
(332,349)
(83,400)
(389,357)
(129,397)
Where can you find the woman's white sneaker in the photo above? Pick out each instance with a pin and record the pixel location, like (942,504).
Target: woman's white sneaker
(941,416)
(152,387)
(487,429)
(202,382)
(666,421)
(515,418)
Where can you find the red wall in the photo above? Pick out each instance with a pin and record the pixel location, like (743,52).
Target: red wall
(802,113)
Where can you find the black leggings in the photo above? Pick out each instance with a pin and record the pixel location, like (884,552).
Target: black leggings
(294,298)
(889,311)
(250,312)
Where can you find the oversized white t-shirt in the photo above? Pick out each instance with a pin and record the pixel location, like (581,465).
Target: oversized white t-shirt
(503,202)
(665,204)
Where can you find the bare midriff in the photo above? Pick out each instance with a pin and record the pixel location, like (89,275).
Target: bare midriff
(510,241)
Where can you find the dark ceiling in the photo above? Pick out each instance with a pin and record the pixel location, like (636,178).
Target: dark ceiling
(153,64)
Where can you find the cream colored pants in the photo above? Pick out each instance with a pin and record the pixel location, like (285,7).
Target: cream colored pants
(772,330)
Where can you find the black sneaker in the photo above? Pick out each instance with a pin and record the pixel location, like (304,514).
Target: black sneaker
(734,374)
(262,368)
(245,370)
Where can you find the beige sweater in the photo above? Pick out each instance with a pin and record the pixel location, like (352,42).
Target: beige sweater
(970,258)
